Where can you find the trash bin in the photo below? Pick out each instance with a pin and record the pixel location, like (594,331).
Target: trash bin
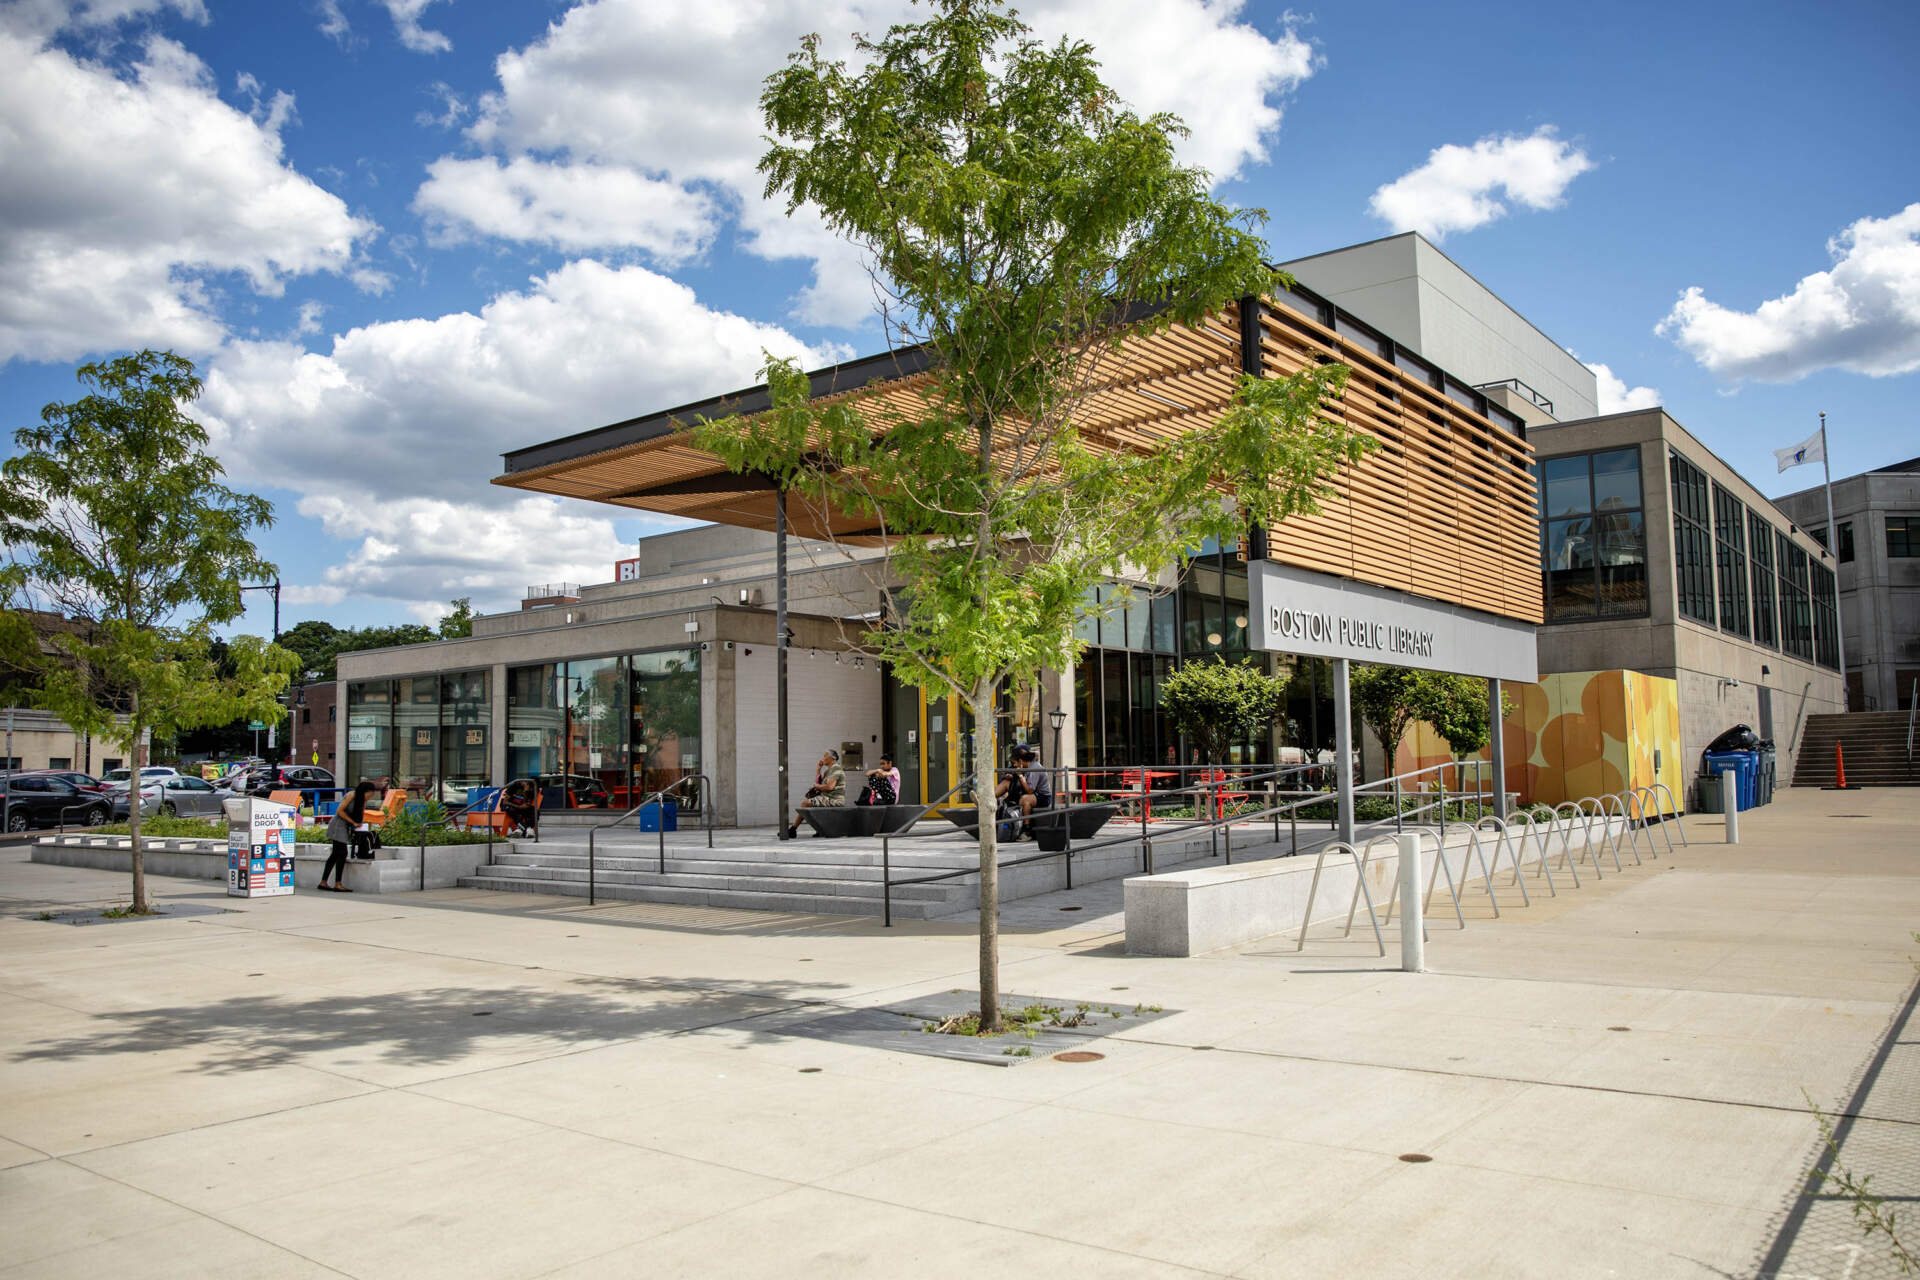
(1745,766)
(1769,772)
(1706,794)
(660,816)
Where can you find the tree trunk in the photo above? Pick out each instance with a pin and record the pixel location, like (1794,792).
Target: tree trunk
(139,757)
(985,807)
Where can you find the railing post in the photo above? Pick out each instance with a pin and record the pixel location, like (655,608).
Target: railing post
(592,889)
(1396,802)
(886,882)
(1443,806)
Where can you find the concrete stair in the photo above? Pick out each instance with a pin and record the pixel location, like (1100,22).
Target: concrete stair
(1875,743)
(834,880)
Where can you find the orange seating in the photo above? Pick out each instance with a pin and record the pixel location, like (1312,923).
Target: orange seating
(394,806)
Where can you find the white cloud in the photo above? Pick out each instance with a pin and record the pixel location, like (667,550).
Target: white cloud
(333,21)
(1862,315)
(672,92)
(424,551)
(414,415)
(406,25)
(572,207)
(128,196)
(453,108)
(1460,188)
(42,18)
(1615,396)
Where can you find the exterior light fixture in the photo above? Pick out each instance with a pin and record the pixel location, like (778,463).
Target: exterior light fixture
(1241,622)
(1057,718)
(1213,637)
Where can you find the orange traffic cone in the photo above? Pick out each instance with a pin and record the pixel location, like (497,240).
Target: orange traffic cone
(1839,771)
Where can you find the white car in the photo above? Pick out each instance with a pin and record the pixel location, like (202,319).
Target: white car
(174,795)
(119,777)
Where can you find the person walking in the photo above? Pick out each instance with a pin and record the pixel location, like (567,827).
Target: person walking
(349,817)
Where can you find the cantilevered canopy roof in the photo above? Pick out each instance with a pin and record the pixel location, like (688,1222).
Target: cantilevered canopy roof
(1444,508)
(1159,385)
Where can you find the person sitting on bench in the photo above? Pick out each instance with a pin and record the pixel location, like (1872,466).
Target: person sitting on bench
(829,788)
(1029,786)
(517,802)
(883,784)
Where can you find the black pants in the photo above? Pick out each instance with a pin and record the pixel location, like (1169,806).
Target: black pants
(336,868)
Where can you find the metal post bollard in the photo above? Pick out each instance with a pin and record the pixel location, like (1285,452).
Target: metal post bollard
(1413,925)
(1730,800)
(1396,804)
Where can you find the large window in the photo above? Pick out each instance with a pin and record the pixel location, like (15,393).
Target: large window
(1692,541)
(1826,637)
(1730,554)
(1766,623)
(1593,535)
(1903,537)
(426,734)
(1842,555)
(1796,605)
(621,727)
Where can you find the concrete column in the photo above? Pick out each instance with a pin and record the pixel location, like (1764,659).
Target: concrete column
(1499,740)
(497,726)
(1343,744)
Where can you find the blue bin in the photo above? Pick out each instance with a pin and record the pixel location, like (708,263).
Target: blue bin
(480,798)
(1745,766)
(660,817)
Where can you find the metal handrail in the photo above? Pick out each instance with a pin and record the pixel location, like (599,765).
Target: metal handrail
(706,784)
(1913,709)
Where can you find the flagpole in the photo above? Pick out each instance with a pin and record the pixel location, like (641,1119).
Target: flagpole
(1833,544)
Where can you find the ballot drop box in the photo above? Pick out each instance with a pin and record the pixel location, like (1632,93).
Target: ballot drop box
(260,843)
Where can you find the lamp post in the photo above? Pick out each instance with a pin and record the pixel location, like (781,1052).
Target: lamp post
(1058,718)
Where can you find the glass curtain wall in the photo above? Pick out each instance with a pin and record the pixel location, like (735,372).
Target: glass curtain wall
(416,733)
(1766,619)
(465,715)
(1692,541)
(1730,552)
(369,732)
(621,727)
(1593,535)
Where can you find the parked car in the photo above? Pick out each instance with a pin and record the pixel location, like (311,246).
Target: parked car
(84,781)
(582,792)
(286,777)
(121,776)
(175,796)
(45,800)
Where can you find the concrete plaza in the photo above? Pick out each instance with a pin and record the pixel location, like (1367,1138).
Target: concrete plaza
(461,1083)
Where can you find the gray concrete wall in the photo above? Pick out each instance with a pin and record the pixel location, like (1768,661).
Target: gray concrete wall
(1879,596)
(1406,287)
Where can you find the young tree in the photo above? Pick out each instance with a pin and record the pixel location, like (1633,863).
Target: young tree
(1458,710)
(1020,222)
(114,511)
(1216,704)
(1388,699)
(458,624)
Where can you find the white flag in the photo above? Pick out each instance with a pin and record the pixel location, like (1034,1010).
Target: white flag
(1812,449)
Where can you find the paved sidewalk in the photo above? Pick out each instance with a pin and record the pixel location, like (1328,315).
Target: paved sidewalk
(1608,1083)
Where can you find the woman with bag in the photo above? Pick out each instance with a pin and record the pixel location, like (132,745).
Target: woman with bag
(347,819)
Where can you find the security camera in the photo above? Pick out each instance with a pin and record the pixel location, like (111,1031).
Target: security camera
(728,646)
(704,646)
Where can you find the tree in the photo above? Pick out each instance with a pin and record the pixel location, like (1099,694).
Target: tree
(459,624)
(1216,704)
(1389,699)
(114,511)
(1458,710)
(1015,214)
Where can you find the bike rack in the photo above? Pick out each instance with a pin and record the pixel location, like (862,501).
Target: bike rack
(1674,808)
(1519,879)
(1646,826)
(1360,879)
(1439,864)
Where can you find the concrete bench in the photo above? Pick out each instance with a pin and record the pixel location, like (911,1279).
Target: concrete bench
(840,822)
(1082,823)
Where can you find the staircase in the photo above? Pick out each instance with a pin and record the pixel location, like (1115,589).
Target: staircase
(1876,749)
(838,877)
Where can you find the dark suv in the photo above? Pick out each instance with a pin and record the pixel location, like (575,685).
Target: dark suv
(287,777)
(47,799)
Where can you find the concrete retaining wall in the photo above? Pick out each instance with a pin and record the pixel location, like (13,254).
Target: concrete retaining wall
(394,871)
(1189,913)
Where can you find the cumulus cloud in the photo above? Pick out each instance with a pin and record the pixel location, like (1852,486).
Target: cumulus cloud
(131,196)
(415,414)
(1615,396)
(569,206)
(420,551)
(1861,315)
(1460,188)
(406,25)
(45,17)
(671,93)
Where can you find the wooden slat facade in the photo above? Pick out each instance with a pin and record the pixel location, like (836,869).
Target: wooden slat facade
(1443,508)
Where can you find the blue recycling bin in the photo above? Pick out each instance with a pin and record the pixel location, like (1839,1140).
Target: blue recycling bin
(1745,766)
(660,816)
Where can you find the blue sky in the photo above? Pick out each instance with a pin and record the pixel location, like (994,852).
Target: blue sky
(402,235)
